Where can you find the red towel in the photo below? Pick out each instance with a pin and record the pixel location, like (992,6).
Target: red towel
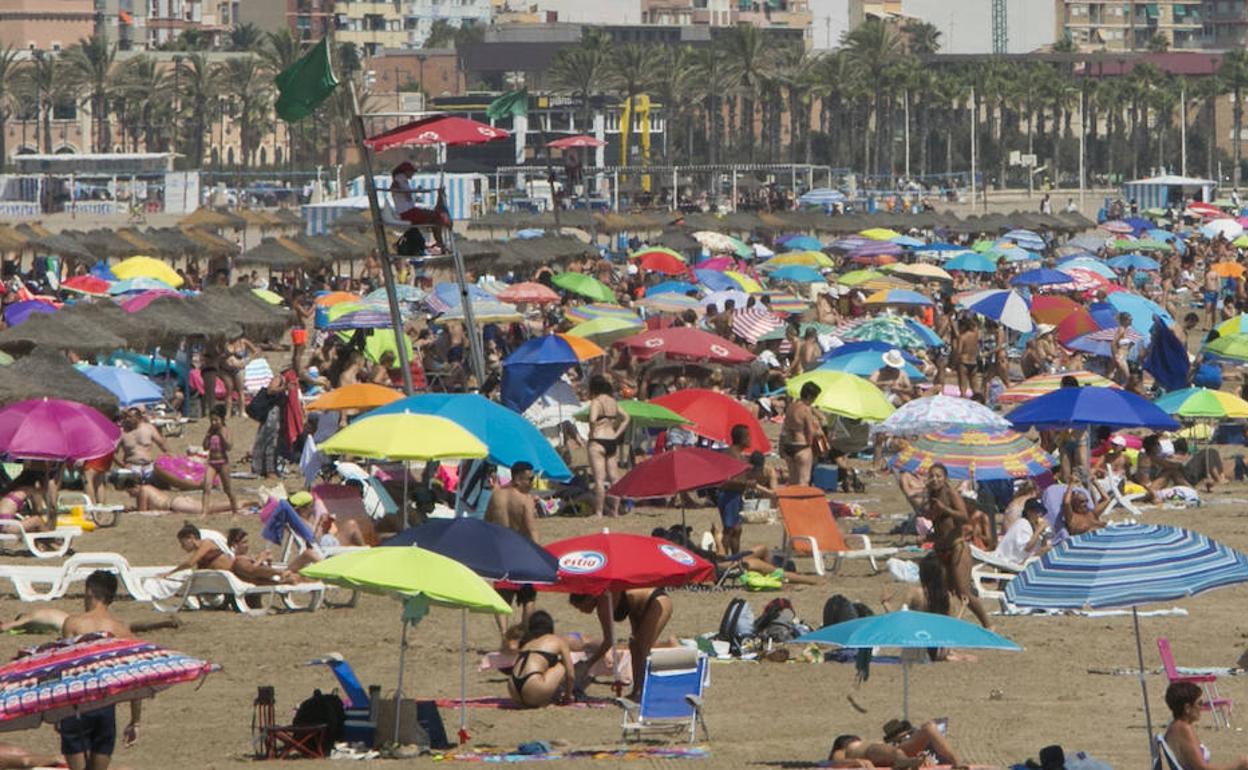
(294,409)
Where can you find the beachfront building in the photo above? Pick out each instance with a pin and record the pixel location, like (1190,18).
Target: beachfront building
(371,26)
(47,25)
(419,16)
(310,20)
(1133,25)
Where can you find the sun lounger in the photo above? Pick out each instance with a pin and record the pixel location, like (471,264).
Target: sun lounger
(1166,759)
(177,593)
(671,695)
(1220,707)
(810,528)
(102,515)
(62,537)
(45,583)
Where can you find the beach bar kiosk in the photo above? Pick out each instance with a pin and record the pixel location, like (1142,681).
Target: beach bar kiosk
(1159,191)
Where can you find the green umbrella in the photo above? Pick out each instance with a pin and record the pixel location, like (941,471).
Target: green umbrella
(1231,346)
(1145,244)
(981,246)
(643,414)
(606,330)
(585,285)
(887,329)
(855,277)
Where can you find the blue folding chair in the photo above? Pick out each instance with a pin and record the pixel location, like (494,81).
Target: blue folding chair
(671,695)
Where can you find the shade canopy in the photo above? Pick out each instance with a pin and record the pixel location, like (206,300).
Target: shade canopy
(405,436)
(679,470)
(618,561)
(982,455)
(404,572)
(492,551)
(1081,407)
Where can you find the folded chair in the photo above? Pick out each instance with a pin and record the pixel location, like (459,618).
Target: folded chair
(810,528)
(671,695)
(1219,706)
(1112,486)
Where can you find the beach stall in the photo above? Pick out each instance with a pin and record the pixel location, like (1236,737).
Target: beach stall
(98,183)
(1158,191)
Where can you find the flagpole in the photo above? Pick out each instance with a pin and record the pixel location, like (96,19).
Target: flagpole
(383,247)
(461,278)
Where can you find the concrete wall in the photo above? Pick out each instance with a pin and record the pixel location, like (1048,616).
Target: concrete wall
(45,24)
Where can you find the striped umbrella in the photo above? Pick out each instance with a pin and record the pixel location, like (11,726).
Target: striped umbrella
(1088,263)
(888,329)
(1007,308)
(1203,403)
(750,323)
(405,293)
(983,455)
(357,315)
(785,303)
(672,303)
(941,413)
(1047,383)
(600,310)
(898,297)
(604,331)
(798,258)
(1126,566)
(745,282)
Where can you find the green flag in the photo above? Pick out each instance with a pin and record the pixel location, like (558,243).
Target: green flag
(305,84)
(511,103)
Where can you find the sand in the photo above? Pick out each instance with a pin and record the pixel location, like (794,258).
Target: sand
(1002,708)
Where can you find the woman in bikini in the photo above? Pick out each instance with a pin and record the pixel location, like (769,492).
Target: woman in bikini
(607,423)
(255,569)
(947,511)
(647,611)
(18,503)
(202,554)
(149,498)
(1121,347)
(797,436)
(1185,700)
(217,444)
(543,671)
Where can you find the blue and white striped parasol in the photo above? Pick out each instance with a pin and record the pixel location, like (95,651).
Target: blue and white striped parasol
(1007,308)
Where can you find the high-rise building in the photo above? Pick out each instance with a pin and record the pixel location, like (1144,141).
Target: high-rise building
(1132,25)
(310,20)
(419,16)
(371,25)
(47,25)
(1226,23)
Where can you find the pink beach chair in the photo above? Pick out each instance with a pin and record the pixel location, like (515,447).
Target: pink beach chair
(1219,706)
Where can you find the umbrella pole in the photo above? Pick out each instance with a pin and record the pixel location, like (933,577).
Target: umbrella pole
(905,686)
(1139,653)
(398,693)
(403,515)
(463,675)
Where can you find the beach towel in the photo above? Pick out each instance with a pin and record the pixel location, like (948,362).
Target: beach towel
(650,753)
(507,704)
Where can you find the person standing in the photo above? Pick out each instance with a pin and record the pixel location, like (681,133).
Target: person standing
(217,445)
(607,423)
(801,430)
(947,511)
(88,739)
(515,507)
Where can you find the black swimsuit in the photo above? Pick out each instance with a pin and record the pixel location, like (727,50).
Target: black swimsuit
(622,611)
(552,659)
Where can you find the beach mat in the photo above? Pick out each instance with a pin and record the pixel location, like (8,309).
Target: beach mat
(650,753)
(492,702)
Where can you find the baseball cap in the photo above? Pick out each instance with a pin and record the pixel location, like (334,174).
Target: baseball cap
(300,499)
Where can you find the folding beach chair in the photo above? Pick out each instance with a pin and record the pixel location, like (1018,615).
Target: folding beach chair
(1219,706)
(1112,486)
(991,573)
(1165,758)
(810,528)
(59,539)
(671,695)
(274,741)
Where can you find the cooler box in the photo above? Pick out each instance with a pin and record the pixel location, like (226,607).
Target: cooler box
(826,477)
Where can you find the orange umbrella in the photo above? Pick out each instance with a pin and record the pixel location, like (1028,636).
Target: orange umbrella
(1052,308)
(361,395)
(583,348)
(334,297)
(529,291)
(1228,269)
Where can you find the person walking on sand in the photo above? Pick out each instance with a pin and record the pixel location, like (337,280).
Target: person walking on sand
(947,511)
(217,444)
(515,507)
(88,739)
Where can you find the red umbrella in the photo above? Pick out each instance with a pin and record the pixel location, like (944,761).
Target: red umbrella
(618,561)
(1076,324)
(680,470)
(1053,308)
(580,140)
(534,293)
(685,342)
(662,262)
(713,415)
(440,129)
(87,284)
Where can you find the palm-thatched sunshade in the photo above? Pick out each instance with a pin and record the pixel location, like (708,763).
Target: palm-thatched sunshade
(212,218)
(109,317)
(175,318)
(56,331)
(260,321)
(274,254)
(48,374)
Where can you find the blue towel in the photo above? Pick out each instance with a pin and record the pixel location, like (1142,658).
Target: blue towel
(284,516)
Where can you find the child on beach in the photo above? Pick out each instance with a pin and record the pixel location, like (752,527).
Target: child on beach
(217,444)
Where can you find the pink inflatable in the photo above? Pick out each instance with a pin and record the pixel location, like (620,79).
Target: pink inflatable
(179,472)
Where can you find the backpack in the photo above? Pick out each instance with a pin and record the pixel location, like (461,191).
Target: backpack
(736,624)
(411,243)
(779,622)
(323,709)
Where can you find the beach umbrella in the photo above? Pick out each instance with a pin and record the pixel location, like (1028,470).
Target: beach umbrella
(718,263)
(798,274)
(618,561)
(643,414)
(898,297)
(17,312)
(820,329)
(1227,269)
(127,385)
(144,298)
(269,297)
(668,474)
(483,311)
(1007,308)
(1203,403)
(879,234)
(1025,238)
(1117,226)
(821,196)
(53,429)
(940,413)
(356,315)
(507,436)
(1142,310)
(662,262)
(146,267)
(712,415)
(808,258)
(717,280)
(1226,228)
(1052,309)
(672,303)
(843,394)
(1145,244)
(802,243)
(890,330)
(67,677)
(1127,565)
(856,277)
(448,294)
(919,270)
(744,282)
(907,629)
(1011,253)
(605,331)
(971,262)
(406,293)
(575,141)
(1091,405)
(358,395)
(1138,261)
(719,243)
(1090,264)
(450,130)
(751,323)
(403,436)
(601,310)
(418,576)
(974,454)
(671,287)
(331,298)
(378,342)
(585,285)
(528,292)
(1232,346)
(909,242)
(1101,342)
(90,285)
(536,364)
(1234,325)
(685,343)
(1042,276)
(656,251)
(1047,383)
(864,363)
(140,284)
(784,303)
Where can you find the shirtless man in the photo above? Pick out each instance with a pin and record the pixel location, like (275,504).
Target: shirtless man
(966,356)
(514,507)
(809,353)
(138,436)
(1213,286)
(947,511)
(801,425)
(88,739)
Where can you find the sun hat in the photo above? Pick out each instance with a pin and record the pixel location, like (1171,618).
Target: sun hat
(893,359)
(1043,329)
(300,499)
(405,167)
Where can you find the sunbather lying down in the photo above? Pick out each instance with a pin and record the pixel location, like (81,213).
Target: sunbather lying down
(904,746)
(51,620)
(149,498)
(12,756)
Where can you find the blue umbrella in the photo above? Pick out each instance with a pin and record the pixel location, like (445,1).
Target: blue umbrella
(1126,566)
(448,293)
(868,345)
(1139,224)
(1138,261)
(142,283)
(864,363)
(938,247)
(1008,308)
(1025,238)
(798,274)
(715,280)
(909,242)
(491,551)
(102,270)
(1041,276)
(1142,310)
(405,293)
(1079,407)
(1165,236)
(16,313)
(908,629)
(128,386)
(971,262)
(926,333)
(671,287)
(802,243)
(1015,254)
(509,437)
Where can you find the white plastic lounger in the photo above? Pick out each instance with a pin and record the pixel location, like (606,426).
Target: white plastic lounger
(63,537)
(45,583)
(190,588)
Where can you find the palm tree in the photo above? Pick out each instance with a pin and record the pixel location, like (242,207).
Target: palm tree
(582,71)
(41,81)
(714,79)
(1233,75)
(673,86)
(145,89)
(922,37)
(244,37)
(8,70)
(749,58)
(198,88)
(90,63)
(249,87)
(871,47)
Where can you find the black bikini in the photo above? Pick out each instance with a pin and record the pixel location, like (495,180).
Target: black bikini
(622,611)
(552,659)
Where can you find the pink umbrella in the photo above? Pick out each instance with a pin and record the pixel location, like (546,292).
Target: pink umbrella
(1117,227)
(53,429)
(717,263)
(143,299)
(580,140)
(529,291)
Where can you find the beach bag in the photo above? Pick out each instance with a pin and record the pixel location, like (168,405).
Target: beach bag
(779,622)
(736,624)
(323,709)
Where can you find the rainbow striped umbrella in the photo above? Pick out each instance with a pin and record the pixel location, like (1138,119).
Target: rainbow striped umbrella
(785,303)
(357,315)
(1047,383)
(898,297)
(672,303)
(600,310)
(1203,403)
(987,455)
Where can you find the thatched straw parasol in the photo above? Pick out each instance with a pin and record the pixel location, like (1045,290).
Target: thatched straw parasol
(47,374)
(273,253)
(259,320)
(56,331)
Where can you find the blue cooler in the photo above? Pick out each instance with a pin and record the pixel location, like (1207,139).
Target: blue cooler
(826,477)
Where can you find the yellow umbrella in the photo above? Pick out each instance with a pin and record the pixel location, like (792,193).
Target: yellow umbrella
(801,258)
(270,297)
(880,234)
(843,393)
(747,284)
(405,437)
(147,267)
(918,270)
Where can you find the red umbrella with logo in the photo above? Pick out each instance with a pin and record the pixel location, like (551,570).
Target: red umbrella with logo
(687,343)
(617,561)
(713,415)
(579,140)
(450,130)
